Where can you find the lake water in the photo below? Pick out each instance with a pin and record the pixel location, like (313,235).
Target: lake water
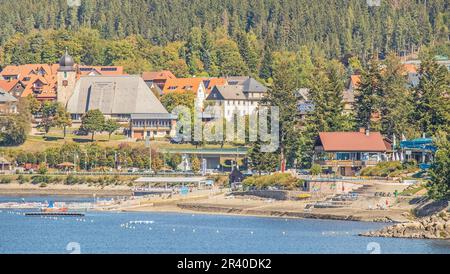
(106,232)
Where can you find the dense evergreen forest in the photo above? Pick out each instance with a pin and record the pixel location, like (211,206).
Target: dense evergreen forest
(211,37)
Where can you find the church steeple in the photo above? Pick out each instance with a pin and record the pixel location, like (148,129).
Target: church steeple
(66,78)
(66,62)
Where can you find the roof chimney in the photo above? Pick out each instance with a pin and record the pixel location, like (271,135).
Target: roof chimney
(362,130)
(367,132)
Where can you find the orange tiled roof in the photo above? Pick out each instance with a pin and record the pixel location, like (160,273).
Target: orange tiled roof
(158,75)
(214,82)
(48,89)
(24,70)
(8,85)
(355,79)
(410,68)
(29,75)
(352,141)
(182,84)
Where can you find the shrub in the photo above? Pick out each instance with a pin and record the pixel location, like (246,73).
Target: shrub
(35,180)
(316,169)
(281,180)
(5,180)
(23,179)
(71,180)
(42,169)
(43,185)
(384,169)
(219,180)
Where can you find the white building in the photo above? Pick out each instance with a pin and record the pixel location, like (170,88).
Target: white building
(241,96)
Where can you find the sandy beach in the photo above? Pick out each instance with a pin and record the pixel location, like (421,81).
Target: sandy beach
(220,202)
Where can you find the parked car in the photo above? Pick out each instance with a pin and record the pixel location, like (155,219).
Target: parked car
(80,132)
(304,172)
(176,141)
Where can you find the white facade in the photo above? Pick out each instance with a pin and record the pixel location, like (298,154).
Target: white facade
(239,107)
(239,99)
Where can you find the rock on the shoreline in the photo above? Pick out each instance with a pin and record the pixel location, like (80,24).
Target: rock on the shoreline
(433,227)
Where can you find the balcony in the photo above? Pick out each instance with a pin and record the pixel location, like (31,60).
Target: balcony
(335,163)
(346,163)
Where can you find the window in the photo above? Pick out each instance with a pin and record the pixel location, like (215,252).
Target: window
(108,69)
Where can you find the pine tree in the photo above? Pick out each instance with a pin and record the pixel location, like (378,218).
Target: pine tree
(366,96)
(395,98)
(432,104)
(283,95)
(193,47)
(248,51)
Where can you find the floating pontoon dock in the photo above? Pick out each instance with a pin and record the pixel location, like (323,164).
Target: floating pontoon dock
(55,214)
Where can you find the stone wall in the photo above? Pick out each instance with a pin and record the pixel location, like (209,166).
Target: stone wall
(433,227)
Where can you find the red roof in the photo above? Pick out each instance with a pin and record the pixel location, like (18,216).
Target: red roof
(212,82)
(352,141)
(356,80)
(182,85)
(157,75)
(410,68)
(45,77)
(8,85)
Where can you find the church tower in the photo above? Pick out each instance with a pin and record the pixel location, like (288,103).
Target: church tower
(66,79)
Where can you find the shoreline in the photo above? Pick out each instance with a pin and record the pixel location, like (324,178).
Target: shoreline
(206,203)
(186,209)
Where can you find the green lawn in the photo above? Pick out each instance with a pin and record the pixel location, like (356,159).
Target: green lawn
(55,138)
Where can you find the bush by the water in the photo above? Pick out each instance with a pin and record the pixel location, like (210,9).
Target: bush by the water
(219,180)
(5,180)
(280,180)
(389,169)
(40,179)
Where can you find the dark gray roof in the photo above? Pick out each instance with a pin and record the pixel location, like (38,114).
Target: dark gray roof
(251,85)
(66,63)
(113,95)
(236,80)
(6,97)
(227,93)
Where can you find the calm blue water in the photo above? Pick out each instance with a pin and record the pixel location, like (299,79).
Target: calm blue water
(187,233)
